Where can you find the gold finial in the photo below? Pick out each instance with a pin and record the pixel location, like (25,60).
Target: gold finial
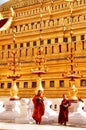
(39,86)
(14,92)
(73,93)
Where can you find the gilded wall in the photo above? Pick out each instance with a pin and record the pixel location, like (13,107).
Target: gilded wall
(47,25)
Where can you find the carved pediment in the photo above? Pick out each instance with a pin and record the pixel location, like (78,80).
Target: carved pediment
(20,3)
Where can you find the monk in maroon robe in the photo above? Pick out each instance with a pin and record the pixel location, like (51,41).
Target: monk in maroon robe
(63,113)
(39,107)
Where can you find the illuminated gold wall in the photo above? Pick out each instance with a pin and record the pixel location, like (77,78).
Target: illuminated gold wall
(29,28)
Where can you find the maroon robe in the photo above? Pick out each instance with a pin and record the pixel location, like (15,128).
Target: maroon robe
(39,108)
(63,113)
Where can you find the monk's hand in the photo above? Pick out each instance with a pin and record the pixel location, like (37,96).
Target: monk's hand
(39,100)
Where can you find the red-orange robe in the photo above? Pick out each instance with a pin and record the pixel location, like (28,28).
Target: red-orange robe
(63,113)
(39,108)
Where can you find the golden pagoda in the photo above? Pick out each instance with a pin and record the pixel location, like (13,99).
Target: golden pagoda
(46,31)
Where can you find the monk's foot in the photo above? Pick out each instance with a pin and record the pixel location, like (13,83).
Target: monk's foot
(36,122)
(60,123)
(65,124)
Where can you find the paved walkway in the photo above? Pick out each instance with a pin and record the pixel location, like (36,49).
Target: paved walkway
(13,126)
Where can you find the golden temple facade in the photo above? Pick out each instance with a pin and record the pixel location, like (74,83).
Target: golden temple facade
(46,24)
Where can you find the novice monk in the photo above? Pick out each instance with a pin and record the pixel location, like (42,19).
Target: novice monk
(39,107)
(63,113)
